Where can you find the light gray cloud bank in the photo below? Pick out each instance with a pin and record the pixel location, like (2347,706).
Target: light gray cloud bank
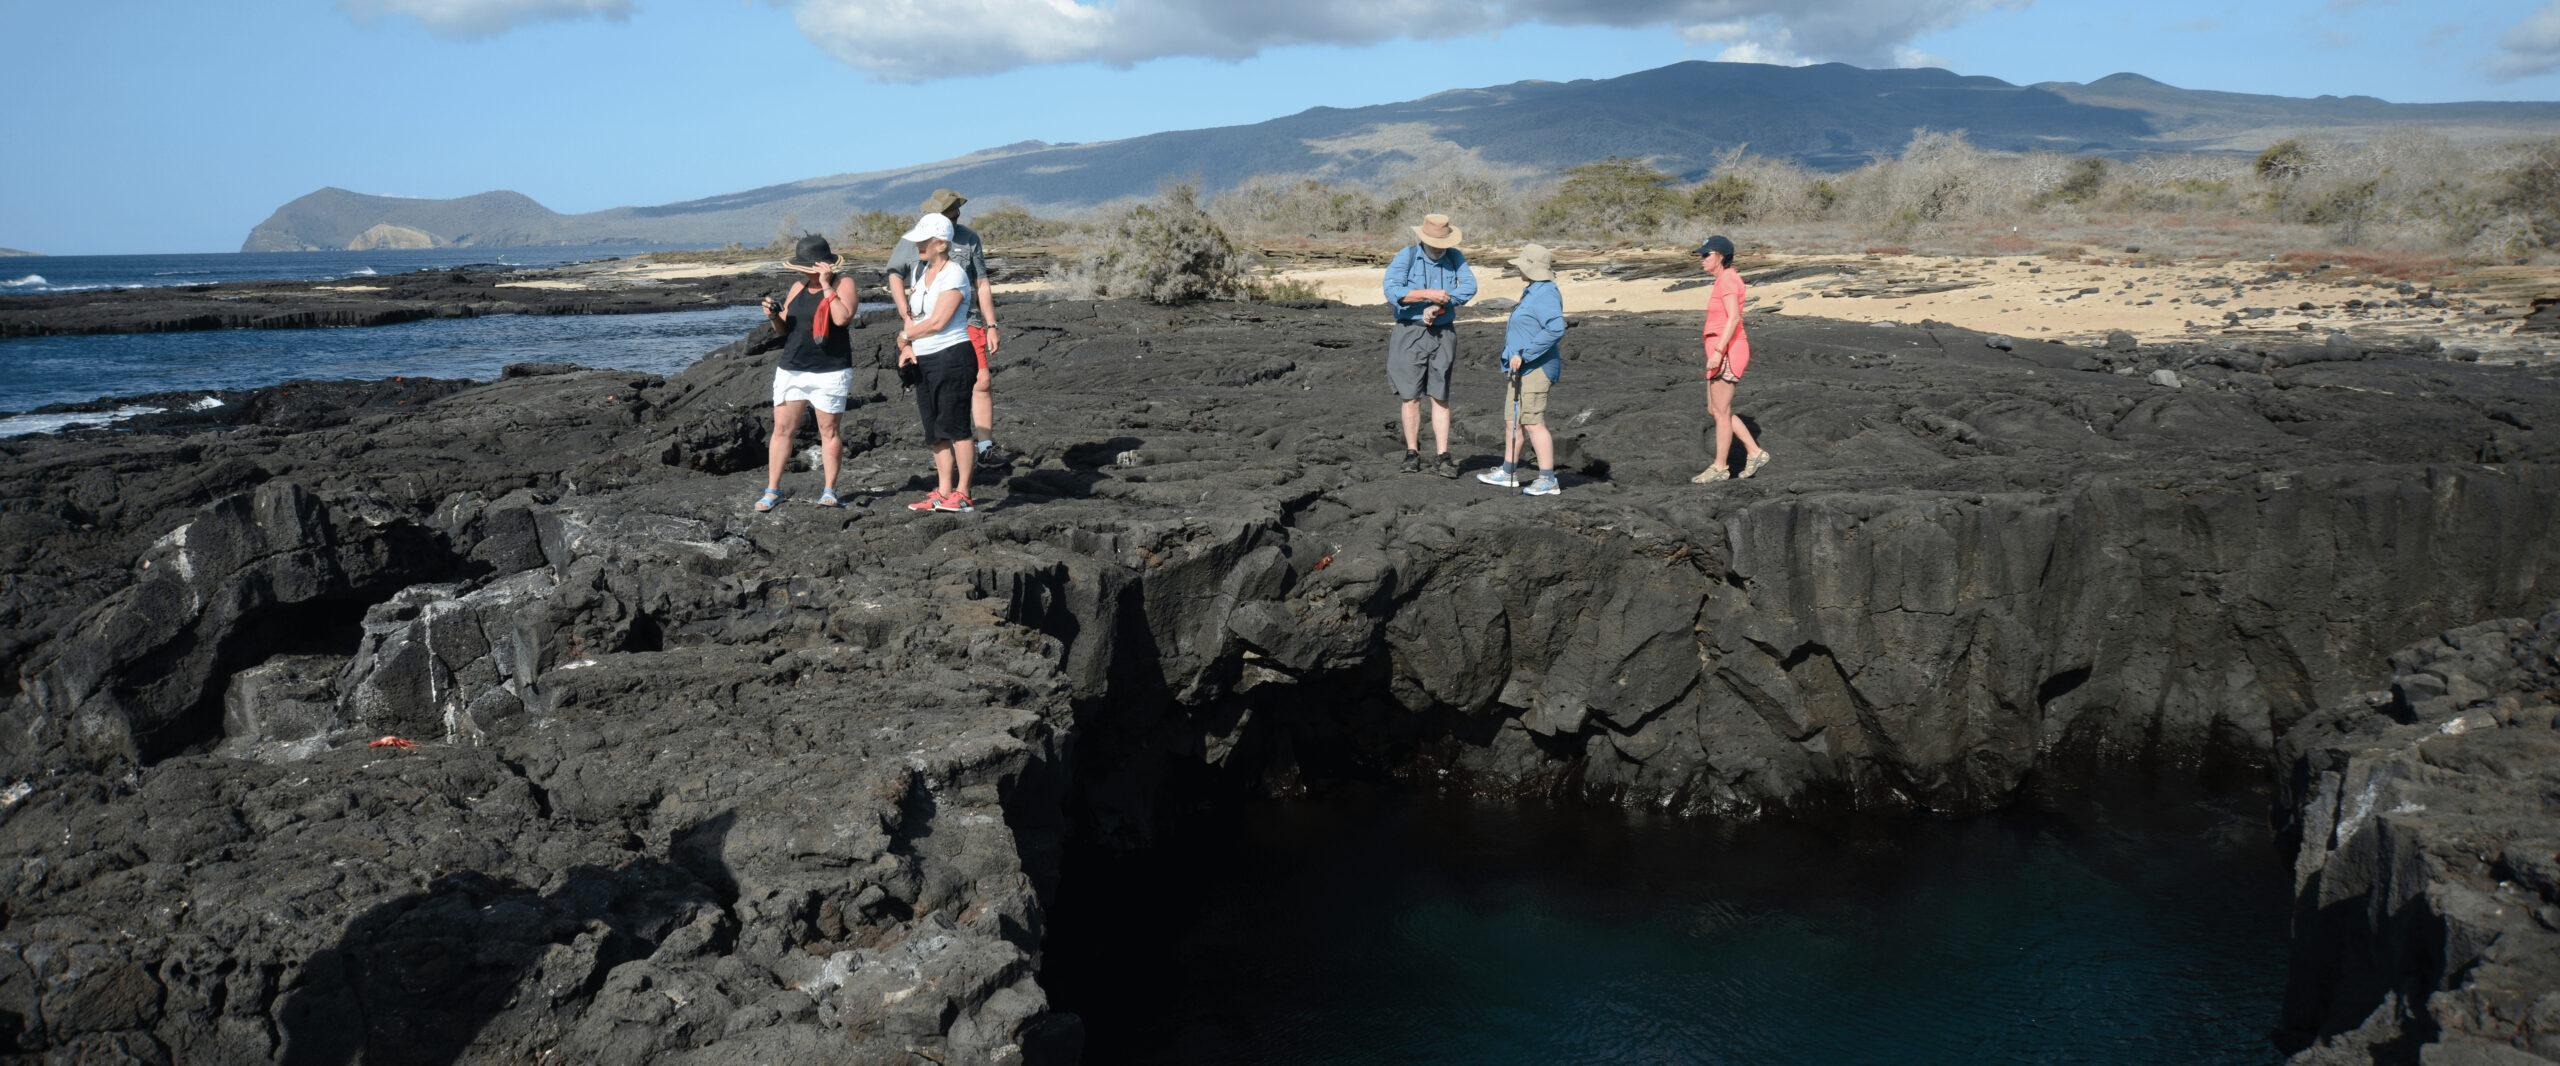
(921,40)
(473,19)
(2531,47)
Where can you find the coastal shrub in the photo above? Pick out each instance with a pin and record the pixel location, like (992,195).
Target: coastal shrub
(874,230)
(1285,290)
(2086,179)
(1614,199)
(1723,198)
(1306,207)
(1483,200)
(786,235)
(2531,193)
(1823,195)
(1164,251)
(1938,177)
(1006,224)
(2283,161)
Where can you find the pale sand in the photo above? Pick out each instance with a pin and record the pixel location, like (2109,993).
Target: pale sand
(2022,296)
(349,288)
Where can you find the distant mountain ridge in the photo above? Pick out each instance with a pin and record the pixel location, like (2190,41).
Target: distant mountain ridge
(1680,116)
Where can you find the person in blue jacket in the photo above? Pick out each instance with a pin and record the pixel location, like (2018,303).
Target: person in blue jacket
(1426,284)
(1532,361)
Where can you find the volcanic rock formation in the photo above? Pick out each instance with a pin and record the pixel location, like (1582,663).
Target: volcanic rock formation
(694,784)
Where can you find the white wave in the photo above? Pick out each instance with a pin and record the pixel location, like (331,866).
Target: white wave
(361,272)
(29,281)
(21,425)
(206,404)
(176,273)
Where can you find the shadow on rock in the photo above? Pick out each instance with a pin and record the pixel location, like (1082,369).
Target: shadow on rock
(420,979)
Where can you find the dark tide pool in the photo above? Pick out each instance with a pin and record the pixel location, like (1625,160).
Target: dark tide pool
(2114,924)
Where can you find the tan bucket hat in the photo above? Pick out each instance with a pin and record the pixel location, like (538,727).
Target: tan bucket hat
(942,200)
(1535,263)
(1436,232)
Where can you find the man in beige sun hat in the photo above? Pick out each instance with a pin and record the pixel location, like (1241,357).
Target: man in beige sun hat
(1426,284)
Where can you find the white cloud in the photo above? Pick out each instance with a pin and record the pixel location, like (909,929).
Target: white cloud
(2531,47)
(472,19)
(1756,52)
(921,40)
(1712,32)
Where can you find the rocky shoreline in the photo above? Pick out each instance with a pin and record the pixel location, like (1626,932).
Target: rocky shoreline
(693,784)
(459,292)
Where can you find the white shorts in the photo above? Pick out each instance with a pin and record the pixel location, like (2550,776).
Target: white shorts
(825,390)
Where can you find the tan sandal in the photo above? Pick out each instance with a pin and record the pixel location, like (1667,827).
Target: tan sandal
(1752,465)
(1710,475)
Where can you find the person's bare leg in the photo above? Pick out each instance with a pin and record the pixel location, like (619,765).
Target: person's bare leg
(966,456)
(1545,444)
(1511,441)
(830,443)
(1440,425)
(1720,406)
(1413,424)
(942,462)
(982,405)
(786,424)
(1741,432)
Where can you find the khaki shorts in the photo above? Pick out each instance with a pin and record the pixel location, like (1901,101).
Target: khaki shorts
(1529,391)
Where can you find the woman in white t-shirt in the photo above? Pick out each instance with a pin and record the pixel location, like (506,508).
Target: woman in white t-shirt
(937,341)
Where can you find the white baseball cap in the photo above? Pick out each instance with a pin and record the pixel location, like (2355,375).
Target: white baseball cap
(928,228)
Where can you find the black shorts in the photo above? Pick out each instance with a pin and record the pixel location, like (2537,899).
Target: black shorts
(942,399)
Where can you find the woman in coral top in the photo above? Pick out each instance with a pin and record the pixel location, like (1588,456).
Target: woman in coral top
(1728,355)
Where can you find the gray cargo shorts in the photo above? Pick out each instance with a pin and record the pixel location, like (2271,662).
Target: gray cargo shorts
(1419,357)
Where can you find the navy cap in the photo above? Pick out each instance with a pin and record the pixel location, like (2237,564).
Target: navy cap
(1717,243)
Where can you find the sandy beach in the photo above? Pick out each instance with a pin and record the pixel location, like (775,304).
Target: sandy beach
(2041,298)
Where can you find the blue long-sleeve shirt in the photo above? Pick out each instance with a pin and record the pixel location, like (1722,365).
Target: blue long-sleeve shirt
(1412,269)
(1536,333)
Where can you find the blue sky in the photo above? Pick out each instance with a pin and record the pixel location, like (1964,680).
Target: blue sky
(159,125)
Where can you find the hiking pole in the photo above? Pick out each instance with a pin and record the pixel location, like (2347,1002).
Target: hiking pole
(1511,433)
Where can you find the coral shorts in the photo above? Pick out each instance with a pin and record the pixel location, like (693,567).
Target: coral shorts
(1734,363)
(978,341)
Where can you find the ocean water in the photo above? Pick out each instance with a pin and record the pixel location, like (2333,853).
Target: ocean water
(2078,928)
(27,275)
(41,371)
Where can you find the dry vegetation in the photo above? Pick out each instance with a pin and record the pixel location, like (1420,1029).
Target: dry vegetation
(2407,205)
(2406,193)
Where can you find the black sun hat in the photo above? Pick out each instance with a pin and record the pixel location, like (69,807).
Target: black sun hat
(811,251)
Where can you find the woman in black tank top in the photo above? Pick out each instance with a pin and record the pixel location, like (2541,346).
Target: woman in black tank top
(815,373)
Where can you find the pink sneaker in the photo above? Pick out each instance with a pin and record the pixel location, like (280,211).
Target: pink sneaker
(954,501)
(932,501)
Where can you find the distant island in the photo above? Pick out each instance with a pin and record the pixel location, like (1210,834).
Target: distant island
(13,252)
(1829,117)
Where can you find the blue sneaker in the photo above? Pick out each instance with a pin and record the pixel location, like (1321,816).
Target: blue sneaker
(1500,476)
(1544,486)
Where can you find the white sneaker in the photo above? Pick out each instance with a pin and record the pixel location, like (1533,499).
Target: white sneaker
(1499,477)
(1545,486)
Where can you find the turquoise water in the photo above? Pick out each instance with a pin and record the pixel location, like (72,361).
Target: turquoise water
(2141,928)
